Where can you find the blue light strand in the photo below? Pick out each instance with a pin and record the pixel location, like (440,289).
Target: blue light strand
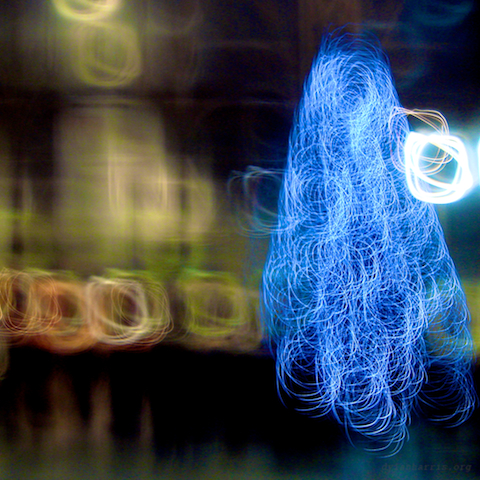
(361,300)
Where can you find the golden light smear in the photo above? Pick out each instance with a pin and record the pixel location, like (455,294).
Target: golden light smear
(153,195)
(432,119)
(156,203)
(127,312)
(70,333)
(168,207)
(146,189)
(86,10)
(21,314)
(108,54)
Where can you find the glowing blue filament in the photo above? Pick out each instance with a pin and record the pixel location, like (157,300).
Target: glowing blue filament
(361,299)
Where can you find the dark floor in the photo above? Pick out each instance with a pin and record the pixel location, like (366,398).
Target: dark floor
(170,413)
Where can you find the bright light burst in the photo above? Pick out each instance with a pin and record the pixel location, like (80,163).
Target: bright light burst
(361,299)
(426,177)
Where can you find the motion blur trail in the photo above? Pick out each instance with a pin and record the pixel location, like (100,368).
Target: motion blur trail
(361,300)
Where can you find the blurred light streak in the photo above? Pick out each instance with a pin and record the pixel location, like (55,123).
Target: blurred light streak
(86,10)
(107,54)
(84,223)
(21,316)
(254,195)
(199,209)
(161,197)
(116,181)
(127,312)
(219,313)
(69,332)
(359,288)
(424,171)
(216,304)
(143,191)
(436,164)
(431,118)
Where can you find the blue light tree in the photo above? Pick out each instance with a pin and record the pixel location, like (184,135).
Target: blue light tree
(361,300)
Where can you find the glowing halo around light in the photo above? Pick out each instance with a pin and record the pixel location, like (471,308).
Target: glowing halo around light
(86,10)
(423,172)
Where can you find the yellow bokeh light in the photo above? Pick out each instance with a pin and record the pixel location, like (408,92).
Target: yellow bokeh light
(86,10)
